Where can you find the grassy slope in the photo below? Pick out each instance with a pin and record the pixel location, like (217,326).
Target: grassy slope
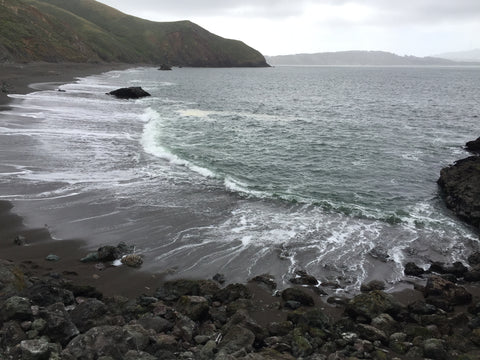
(88,31)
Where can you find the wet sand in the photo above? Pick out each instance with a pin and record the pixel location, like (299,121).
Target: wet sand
(18,78)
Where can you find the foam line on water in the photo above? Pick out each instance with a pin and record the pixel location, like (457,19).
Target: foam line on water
(151,144)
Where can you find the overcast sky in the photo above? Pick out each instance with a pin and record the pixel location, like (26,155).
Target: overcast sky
(276,27)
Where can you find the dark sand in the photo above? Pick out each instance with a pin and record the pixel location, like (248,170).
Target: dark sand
(17,78)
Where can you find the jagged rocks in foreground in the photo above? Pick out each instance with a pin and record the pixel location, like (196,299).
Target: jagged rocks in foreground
(52,318)
(134,92)
(461,187)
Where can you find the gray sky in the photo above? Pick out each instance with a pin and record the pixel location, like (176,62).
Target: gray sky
(405,27)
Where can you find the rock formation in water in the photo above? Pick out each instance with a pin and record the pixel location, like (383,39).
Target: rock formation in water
(460,184)
(473,146)
(134,92)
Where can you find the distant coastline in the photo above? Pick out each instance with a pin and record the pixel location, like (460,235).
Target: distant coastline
(361,58)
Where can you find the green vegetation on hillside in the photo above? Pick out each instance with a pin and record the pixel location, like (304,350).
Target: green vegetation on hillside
(88,31)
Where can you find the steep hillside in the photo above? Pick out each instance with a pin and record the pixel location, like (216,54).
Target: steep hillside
(378,58)
(88,31)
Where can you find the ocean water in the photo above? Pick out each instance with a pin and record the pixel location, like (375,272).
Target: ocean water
(249,171)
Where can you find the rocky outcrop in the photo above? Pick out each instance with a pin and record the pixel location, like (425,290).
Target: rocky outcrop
(473,146)
(133,92)
(198,319)
(460,184)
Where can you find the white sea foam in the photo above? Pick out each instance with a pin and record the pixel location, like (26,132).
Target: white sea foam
(151,144)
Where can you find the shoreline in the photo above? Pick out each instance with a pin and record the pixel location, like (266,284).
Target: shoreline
(17,78)
(261,306)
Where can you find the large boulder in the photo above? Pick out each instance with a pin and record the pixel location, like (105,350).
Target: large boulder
(444,294)
(87,314)
(107,340)
(369,305)
(461,187)
(133,92)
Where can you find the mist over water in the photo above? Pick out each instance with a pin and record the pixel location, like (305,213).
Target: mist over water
(250,171)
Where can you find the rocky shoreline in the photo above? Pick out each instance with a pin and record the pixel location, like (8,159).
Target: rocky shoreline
(460,184)
(50,316)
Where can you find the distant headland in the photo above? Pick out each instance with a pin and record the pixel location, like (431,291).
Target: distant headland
(86,31)
(361,58)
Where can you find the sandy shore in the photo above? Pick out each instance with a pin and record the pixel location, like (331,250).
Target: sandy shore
(17,78)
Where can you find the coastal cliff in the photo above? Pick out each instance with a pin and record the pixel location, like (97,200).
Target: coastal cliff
(88,31)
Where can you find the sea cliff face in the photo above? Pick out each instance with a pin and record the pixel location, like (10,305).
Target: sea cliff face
(88,31)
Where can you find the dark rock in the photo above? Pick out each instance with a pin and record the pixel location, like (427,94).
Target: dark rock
(220,278)
(108,253)
(60,327)
(294,294)
(302,278)
(16,308)
(411,269)
(280,328)
(106,340)
(133,92)
(172,290)
(156,323)
(420,307)
(474,259)
(138,355)
(385,323)
(301,347)
(435,349)
(266,280)
(243,319)
(195,307)
(232,292)
(20,240)
(164,67)
(294,305)
(473,146)
(11,334)
(132,260)
(372,285)
(185,328)
(461,188)
(438,287)
(312,318)
(371,333)
(87,314)
(37,349)
(87,291)
(437,267)
(370,305)
(164,344)
(236,338)
(472,276)
(45,293)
